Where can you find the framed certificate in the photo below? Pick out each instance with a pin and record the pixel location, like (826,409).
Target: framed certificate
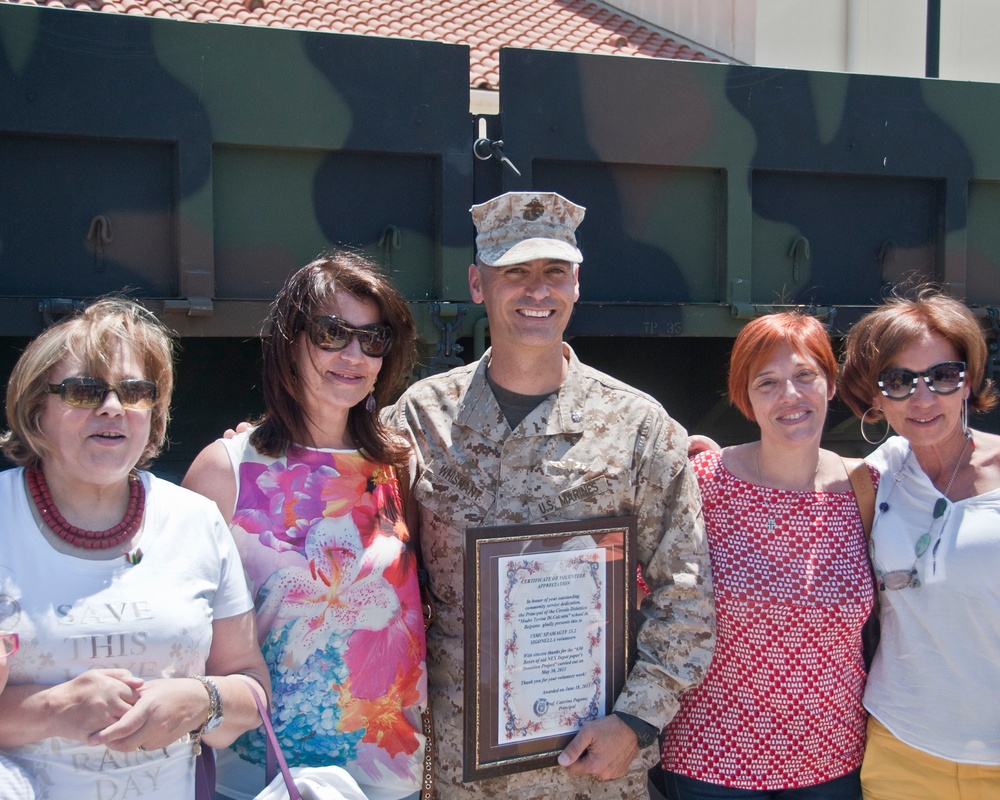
(548,637)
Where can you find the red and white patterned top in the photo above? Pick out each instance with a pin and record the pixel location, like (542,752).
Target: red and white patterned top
(780,707)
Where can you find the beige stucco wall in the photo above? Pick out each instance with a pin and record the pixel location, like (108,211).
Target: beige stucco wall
(969,33)
(874,36)
(726,26)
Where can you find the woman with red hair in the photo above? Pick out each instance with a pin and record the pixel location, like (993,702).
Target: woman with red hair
(779,714)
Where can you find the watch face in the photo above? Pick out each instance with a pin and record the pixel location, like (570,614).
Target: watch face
(214,723)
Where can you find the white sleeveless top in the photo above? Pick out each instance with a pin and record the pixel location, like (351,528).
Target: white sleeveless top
(323,543)
(934,680)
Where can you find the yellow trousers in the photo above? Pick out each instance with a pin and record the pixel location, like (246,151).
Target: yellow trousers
(895,771)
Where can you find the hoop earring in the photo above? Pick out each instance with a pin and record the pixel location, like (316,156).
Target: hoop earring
(965,419)
(865,436)
(370,402)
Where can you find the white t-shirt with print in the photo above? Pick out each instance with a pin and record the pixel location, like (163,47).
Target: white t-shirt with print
(153,618)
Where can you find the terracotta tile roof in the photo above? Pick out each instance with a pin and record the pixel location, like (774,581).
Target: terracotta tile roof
(484,25)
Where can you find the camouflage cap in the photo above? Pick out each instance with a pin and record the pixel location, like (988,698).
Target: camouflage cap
(522,226)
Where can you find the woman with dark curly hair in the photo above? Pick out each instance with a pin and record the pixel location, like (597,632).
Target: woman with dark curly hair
(934,730)
(313,502)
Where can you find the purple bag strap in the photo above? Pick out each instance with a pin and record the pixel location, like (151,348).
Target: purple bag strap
(274,753)
(204,774)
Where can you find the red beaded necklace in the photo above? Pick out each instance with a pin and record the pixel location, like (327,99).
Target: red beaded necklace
(78,537)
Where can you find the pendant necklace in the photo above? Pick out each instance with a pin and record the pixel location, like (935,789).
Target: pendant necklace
(907,578)
(771,522)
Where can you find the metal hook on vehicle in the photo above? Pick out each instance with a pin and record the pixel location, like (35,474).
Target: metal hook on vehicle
(389,240)
(446,318)
(100,230)
(100,234)
(887,252)
(485,149)
(797,252)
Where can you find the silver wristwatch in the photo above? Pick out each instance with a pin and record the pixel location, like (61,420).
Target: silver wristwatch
(214,704)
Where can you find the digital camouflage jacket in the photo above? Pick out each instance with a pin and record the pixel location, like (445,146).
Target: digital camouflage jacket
(594,448)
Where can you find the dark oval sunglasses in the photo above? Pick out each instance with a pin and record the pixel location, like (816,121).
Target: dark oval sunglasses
(83,392)
(333,334)
(944,378)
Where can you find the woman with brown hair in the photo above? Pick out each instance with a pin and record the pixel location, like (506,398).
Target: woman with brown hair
(934,732)
(314,506)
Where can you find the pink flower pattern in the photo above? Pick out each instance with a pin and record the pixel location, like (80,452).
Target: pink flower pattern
(345,580)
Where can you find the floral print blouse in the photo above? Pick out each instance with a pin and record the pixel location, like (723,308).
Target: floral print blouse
(325,549)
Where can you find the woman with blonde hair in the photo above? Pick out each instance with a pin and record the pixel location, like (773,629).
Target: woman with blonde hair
(125,591)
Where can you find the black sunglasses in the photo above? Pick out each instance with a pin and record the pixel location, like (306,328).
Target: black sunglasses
(332,333)
(92,392)
(944,378)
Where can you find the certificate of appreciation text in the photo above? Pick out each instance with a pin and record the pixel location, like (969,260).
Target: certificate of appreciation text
(551,647)
(549,637)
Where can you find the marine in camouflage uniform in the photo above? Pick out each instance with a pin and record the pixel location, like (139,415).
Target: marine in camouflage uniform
(593,447)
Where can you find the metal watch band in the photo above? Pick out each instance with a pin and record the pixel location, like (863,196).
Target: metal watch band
(215,716)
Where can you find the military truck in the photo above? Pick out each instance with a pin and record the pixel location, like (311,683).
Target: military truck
(194,166)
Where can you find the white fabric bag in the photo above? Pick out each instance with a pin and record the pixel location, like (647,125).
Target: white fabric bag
(301,783)
(315,783)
